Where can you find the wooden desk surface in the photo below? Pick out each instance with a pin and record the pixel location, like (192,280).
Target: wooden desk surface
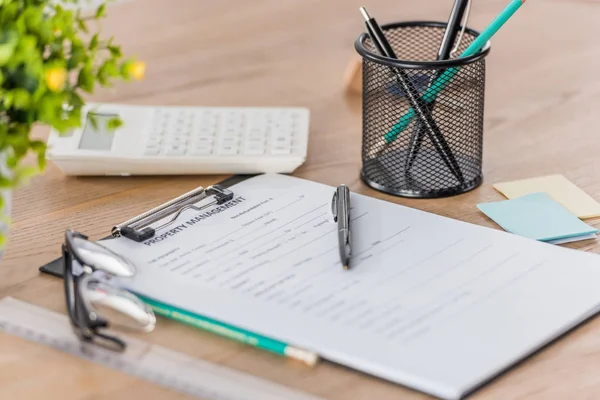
(541,118)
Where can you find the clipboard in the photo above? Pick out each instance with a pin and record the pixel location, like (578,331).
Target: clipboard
(137,228)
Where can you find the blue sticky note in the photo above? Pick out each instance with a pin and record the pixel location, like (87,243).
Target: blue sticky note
(538,217)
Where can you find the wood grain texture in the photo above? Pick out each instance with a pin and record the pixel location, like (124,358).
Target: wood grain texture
(542,97)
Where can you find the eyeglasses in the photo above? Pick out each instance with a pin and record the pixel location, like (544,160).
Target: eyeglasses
(90,271)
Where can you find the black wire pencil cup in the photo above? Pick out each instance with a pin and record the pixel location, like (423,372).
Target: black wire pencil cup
(438,153)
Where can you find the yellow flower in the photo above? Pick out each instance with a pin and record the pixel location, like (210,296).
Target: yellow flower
(55,78)
(137,70)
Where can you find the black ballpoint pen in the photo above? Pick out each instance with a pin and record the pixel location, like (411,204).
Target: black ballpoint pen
(422,111)
(444,53)
(340,207)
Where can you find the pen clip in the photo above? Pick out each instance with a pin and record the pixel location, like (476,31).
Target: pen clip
(334,206)
(464,23)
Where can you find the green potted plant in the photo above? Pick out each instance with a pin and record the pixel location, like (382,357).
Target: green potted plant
(51,56)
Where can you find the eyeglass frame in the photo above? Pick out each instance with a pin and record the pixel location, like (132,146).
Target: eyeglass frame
(85,322)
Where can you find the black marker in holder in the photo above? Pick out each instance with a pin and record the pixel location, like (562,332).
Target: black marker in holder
(457,111)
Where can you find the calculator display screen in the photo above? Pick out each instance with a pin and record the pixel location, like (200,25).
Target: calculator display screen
(97,136)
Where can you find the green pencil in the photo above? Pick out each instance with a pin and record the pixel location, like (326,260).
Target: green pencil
(231,332)
(441,82)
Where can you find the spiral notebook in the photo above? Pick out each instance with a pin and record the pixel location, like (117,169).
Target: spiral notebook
(432,303)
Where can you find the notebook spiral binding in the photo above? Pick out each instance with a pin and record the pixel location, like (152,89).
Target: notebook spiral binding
(138,229)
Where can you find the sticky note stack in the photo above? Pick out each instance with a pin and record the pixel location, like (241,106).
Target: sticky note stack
(559,188)
(547,209)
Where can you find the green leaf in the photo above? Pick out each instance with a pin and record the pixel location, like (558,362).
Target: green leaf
(106,71)
(62,126)
(102,77)
(18,135)
(38,146)
(114,123)
(74,118)
(68,18)
(86,79)
(94,43)
(75,100)
(21,98)
(3,135)
(41,159)
(77,56)
(24,174)
(93,121)
(33,18)
(9,34)
(115,51)
(11,161)
(125,68)
(45,32)
(7,99)
(20,23)
(46,110)
(6,183)
(10,12)
(28,45)
(81,24)
(101,11)
(6,52)
(32,73)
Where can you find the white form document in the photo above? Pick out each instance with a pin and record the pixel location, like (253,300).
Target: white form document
(432,303)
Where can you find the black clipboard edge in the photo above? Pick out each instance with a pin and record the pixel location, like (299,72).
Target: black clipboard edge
(55,267)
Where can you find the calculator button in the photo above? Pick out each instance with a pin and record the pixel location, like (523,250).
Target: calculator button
(229,140)
(181,133)
(255,140)
(176,141)
(230,132)
(175,150)
(228,149)
(152,150)
(280,150)
(201,151)
(280,140)
(210,119)
(203,141)
(257,132)
(254,150)
(206,131)
(157,128)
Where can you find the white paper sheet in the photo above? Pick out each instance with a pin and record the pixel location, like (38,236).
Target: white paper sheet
(432,303)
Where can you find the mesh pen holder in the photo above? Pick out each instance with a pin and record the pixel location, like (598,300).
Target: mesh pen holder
(437,150)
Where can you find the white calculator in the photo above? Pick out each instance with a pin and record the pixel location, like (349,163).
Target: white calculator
(182,141)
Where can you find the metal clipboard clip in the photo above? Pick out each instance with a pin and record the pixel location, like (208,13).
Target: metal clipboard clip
(138,228)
